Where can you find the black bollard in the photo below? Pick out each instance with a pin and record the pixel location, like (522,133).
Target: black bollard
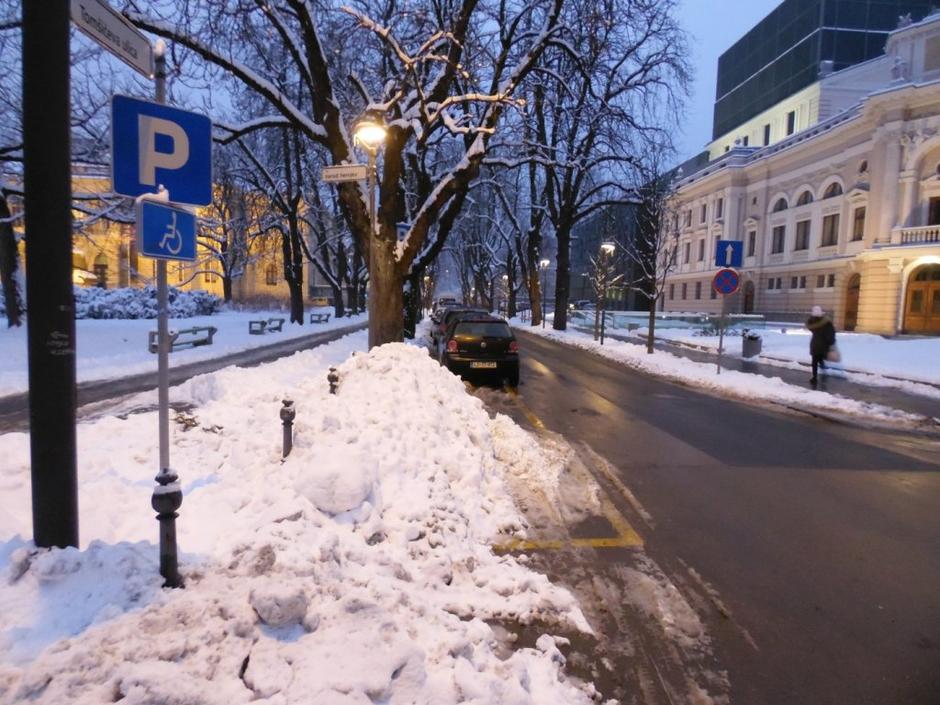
(167,498)
(287,417)
(333,379)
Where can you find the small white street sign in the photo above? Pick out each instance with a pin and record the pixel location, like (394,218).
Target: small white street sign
(115,33)
(347,172)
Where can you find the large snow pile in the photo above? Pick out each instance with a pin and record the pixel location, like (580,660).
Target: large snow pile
(93,302)
(358,571)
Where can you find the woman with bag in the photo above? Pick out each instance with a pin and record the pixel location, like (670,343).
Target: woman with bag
(822,346)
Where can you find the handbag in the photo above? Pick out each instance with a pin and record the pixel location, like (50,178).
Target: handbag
(834,355)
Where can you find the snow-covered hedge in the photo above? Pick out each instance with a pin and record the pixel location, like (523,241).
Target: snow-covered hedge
(141,303)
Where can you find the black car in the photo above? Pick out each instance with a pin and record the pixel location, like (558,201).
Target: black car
(481,346)
(446,317)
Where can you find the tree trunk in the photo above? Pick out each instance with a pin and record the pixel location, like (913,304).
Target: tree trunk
(651,328)
(227,288)
(9,263)
(511,297)
(339,310)
(385,295)
(355,293)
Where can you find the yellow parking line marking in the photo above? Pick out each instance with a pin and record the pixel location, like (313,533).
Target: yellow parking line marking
(626,536)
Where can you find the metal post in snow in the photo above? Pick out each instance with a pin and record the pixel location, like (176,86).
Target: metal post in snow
(373,258)
(288,413)
(721,331)
(167,496)
(51,317)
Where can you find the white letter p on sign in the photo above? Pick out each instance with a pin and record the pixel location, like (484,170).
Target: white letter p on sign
(150,159)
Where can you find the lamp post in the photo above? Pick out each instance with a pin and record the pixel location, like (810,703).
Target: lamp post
(543,265)
(607,251)
(370,135)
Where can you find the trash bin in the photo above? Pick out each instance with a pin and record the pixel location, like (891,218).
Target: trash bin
(750,344)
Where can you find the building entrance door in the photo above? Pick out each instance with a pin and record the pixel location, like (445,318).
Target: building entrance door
(922,308)
(748,305)
(851,302)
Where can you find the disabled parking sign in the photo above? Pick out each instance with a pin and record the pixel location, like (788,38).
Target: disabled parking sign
(166,231)
(155,145)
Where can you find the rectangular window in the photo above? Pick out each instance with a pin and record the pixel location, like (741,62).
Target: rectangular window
(688,218)
(802,235)
(720,208)
(779,235)
(791,122)
(766,135)
(820,281)
(802,282)
(831,281)
(714,294)
(751,242)
(830,230)
(793,282)
(745,141)
(207,276)
(701,250)
(858,224)
(770,283)
(704,215)
(685,290)
(688,252)
(698,290)
(672,292)
(933,212)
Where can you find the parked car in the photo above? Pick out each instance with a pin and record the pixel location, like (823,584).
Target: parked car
(481,346)
(581,305)
(438,330)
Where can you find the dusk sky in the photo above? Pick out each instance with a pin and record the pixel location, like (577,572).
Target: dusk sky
(714,27)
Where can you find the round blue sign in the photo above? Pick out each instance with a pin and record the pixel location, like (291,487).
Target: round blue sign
(726,281)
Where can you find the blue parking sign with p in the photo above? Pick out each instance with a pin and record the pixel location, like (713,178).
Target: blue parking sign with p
(154,145)
(166,231)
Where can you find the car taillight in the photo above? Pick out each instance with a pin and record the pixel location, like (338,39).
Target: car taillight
(451,345)
(513,347)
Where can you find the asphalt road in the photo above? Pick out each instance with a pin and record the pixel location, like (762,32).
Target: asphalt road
(818,542)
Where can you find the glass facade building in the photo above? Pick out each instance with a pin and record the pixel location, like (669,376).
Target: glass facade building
(782,53)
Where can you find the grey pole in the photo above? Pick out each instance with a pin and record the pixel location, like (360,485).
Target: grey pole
(543,296)
(373,259)
(167,495)
(287,414)
(51,317)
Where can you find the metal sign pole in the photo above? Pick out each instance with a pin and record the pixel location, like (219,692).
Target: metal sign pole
(721,331)
(50,300)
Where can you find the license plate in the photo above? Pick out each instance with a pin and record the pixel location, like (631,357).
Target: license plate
(483,365)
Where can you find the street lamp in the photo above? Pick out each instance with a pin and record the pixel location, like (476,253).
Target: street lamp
(543,265)
(607,251)
(370,135)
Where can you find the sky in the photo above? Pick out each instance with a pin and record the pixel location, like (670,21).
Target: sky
(714,25)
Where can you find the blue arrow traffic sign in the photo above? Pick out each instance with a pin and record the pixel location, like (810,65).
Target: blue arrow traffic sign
(165,231)
(154,145)
(726,281)
(729,253)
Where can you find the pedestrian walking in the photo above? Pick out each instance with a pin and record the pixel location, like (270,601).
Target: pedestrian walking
(823,340)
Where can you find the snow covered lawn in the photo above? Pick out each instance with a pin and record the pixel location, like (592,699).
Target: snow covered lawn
(915,359)
(732,383)
(109,349)
(358,571)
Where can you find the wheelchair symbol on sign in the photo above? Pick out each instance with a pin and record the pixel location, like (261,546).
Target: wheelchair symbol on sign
(172,237)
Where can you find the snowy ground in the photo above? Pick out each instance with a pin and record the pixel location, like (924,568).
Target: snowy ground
(117,348)
(908,358)
(732,383)
(358,571)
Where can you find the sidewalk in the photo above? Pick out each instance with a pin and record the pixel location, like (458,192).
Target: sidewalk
(887,396)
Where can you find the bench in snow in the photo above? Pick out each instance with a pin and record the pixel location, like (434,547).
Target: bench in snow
(274,325)
(185,338)
(319,318)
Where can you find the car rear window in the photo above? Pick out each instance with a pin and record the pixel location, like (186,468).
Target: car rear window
(483,329)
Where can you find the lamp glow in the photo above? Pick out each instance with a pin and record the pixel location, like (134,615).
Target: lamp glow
(370,135)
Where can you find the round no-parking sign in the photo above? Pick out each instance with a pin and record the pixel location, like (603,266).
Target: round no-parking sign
(726,281)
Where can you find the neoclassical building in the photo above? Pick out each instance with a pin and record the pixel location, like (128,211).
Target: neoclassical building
(843,213)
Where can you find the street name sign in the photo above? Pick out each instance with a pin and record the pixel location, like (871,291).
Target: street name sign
(165,231)
(729,253)
(115,33)
(345,172)
(155,145)
(726,281)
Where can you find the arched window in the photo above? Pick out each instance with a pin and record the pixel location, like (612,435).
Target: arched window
(780,205)
(270,275)
(805,199)
(833,190)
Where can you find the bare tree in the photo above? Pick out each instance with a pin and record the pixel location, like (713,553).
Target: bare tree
(654,249)
(441,77)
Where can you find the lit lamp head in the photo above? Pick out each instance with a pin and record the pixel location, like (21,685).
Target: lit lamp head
(608,248)
(370,134)
(544,264)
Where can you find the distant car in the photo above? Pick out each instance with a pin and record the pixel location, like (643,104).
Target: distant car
(481,347)
(447,315)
